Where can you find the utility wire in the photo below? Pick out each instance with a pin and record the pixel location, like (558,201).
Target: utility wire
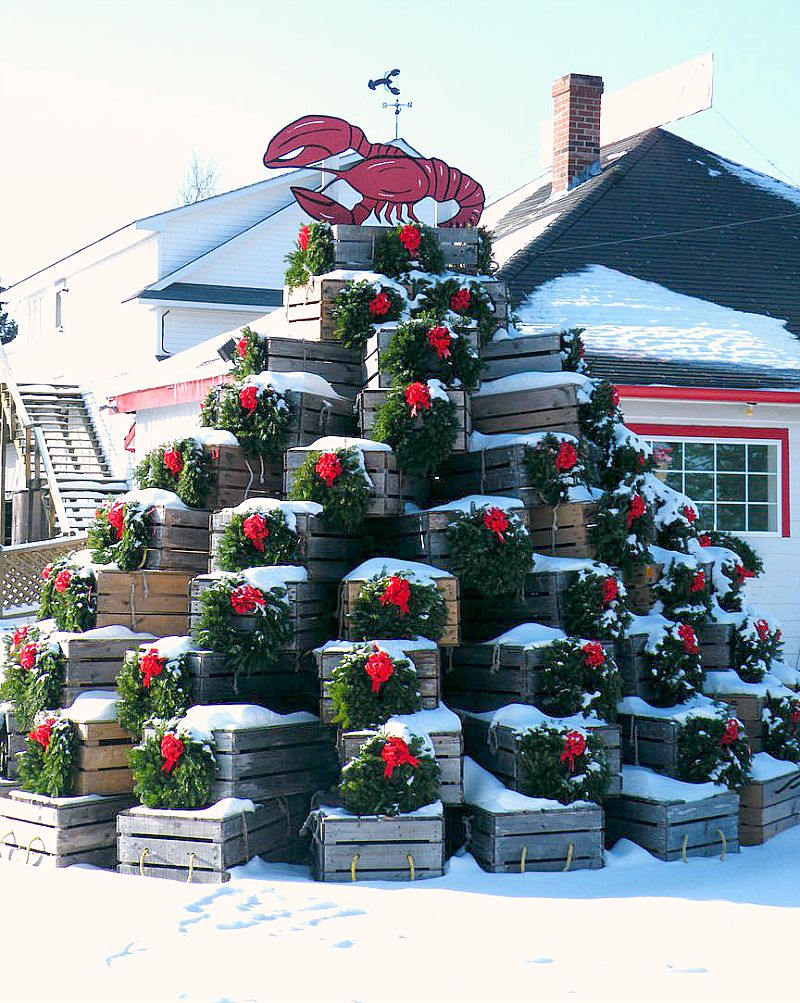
(753,145)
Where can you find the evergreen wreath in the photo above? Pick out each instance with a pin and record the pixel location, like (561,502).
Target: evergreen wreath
(600,414)
(563,764)
(624,528)
(486,262)
(781,717)
(627,455)
(247,624)
(756,645)
(578,677)
(120,534)
(181,466)
(465,298)
(684,591)
(749,559)
(572,350)
(68,596)
(171,769)
(368,687)
(252,354)
(338,481)
(595,606)
(674,671)
(554,465)
(395,606)
(362,305)
(714,749)
(257,538)
(424,348)
(421,434)
(408,246)
(47,763)
(490,550)
(312,255)
(33,673)
(259,416)
(675,523)
(151,686)
(390,776)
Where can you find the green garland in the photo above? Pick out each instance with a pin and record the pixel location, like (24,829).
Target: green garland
(411,357)
(491,563)
(624,528)
(356,701)
(600,415)
(69,599)
(421,443)
(393,258)
(781,717)
(366,791)
(144,697)
(120,534)
(572,350)
(546,775)
(554,465)
(190,475)
(345,501)
(426,616)
(353,321)
(627,455)
(186,784)
(262,429)
(316,259)
(684,591)
(702,757)
(486,262)
(438,301)
(675,532)
(595,606)
(674,670)
(756,645)
(578,677)
(47,763)
(33,674)
(751,561)
(252,354)
(220,629)
(237,551)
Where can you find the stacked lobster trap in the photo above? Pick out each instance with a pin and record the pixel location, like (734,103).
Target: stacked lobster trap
(405,531)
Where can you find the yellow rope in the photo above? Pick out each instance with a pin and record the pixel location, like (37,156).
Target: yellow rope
(353,863)
(570,851)
(142,855)
(724,844)
(10,833)
(410,859)
(192,858)
(683,848)
(522,859)
(28,847)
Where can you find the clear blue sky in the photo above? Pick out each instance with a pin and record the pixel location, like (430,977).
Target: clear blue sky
(102,103)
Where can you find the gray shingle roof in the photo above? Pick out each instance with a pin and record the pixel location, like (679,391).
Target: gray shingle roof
(191,292)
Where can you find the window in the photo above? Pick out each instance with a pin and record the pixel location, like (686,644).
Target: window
(734,484)
(35,318)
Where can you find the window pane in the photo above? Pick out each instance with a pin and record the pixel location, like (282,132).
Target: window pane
(731,517)
(675,481)
(730,487)
(762,488)
(700,487)
(762,458)
(759,518)
(730,456)
(705,517)
(668,454)
(699,456)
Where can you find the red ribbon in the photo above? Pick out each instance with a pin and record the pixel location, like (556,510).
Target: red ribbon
(171,751)
(394,753)
(397,593)
(410,237)
(246,599)
(380,305)
(610,590)
(248,398)
(173,460)
(574,746)
(329,468)
(151,665)
(418,398)
(689,639)
(496,521)
(379,668)
(42,733)
(731,732)
(255,530)
(593,654)
(567,458)
(303,238)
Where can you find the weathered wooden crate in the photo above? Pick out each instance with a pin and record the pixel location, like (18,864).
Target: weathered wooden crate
(56,832)
(235,476)
(309,308)
(746,701)
(377,375)
(677,825)
(496,470)
(565,531)
(370,400)
(347,847)
(327,554)
(288,685)
(310,605)
(93,662)
(537,409)
(541,600)
(341,367)
(528,353)
(447,585)
(494,746)
(640,583)
(391,488)
(6,786)
(716,645)
(632,663)
(159,843)
(101,759)
(180,539)
(771,803)
(152,602)
(12,742)
(448,748)
(354,246)
(423,656)
(270,762)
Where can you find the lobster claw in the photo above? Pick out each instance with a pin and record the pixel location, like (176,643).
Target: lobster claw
(311,139)
(320,207)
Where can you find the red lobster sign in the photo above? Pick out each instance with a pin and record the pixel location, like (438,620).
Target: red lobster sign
(388,179)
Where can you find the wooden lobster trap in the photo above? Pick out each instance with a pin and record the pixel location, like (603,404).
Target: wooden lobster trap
(151,602)
(12,742)
(532,409)
(180,539)
(640,584)
(633,665)
(377,374)
(235,477)
(494,470)
(747,701)
(341,367)
(354,246)
(101,758)
(770,801)
(93,660)
(289,684)
(309,308)
(347,847)
(563,531)
(370,400)
(529,353)
(716,645)
(541,600)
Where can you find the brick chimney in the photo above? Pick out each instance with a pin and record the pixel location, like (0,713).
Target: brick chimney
(576,128)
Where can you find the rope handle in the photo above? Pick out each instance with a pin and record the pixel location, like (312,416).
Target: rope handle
(13,845)
(554,530)
(570,851)
(353,863)
(496,654)
(724,845)
(410,859)
(252,477)
(684,844)
(192,858)
(491,738)
(522,859)
(30,844)
(142,855)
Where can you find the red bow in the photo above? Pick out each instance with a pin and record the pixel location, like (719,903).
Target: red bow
(704,540)
(42,733)
(439,339)
(594,654)
(574,746)
(173,460)
(27,657)
(635,509)
(394,753)
(255,530)
(151,665)
(698,582)
(690,513)
(63,578)
(459,301)
(379,668)
(47,570)
(248,398)
(397,593)
(303,238)
(567,458)
(171,751)
(329,468)
(380,305)
(689,638)
(418,398)
(610,589)
(496,521)
(241,347)
(116,517)
(19,635)
(410,237)
(245,599)
(731,732)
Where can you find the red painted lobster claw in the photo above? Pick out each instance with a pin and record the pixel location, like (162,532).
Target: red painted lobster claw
(320,207)
(311,139)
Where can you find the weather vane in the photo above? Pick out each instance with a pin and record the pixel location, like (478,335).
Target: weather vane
(386,81)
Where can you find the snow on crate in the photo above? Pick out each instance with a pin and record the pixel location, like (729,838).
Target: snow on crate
(300,383)
(276,577)
(213,437)
(532,381)
(528,635)
(501,440)
(114,632)
(468,502)
(394,648)
(289,509)
(92,706)
(224,808)
(698,706)
(203,720)
(520,718)
(546,563)
(151,497)
(172,647)
(425,574)
(484,790)
(639,782)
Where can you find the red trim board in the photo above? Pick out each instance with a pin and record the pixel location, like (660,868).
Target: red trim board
(780,435)
(710,394)
(173,393)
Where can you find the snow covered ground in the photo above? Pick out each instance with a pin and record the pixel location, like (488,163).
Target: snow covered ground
(637,930)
